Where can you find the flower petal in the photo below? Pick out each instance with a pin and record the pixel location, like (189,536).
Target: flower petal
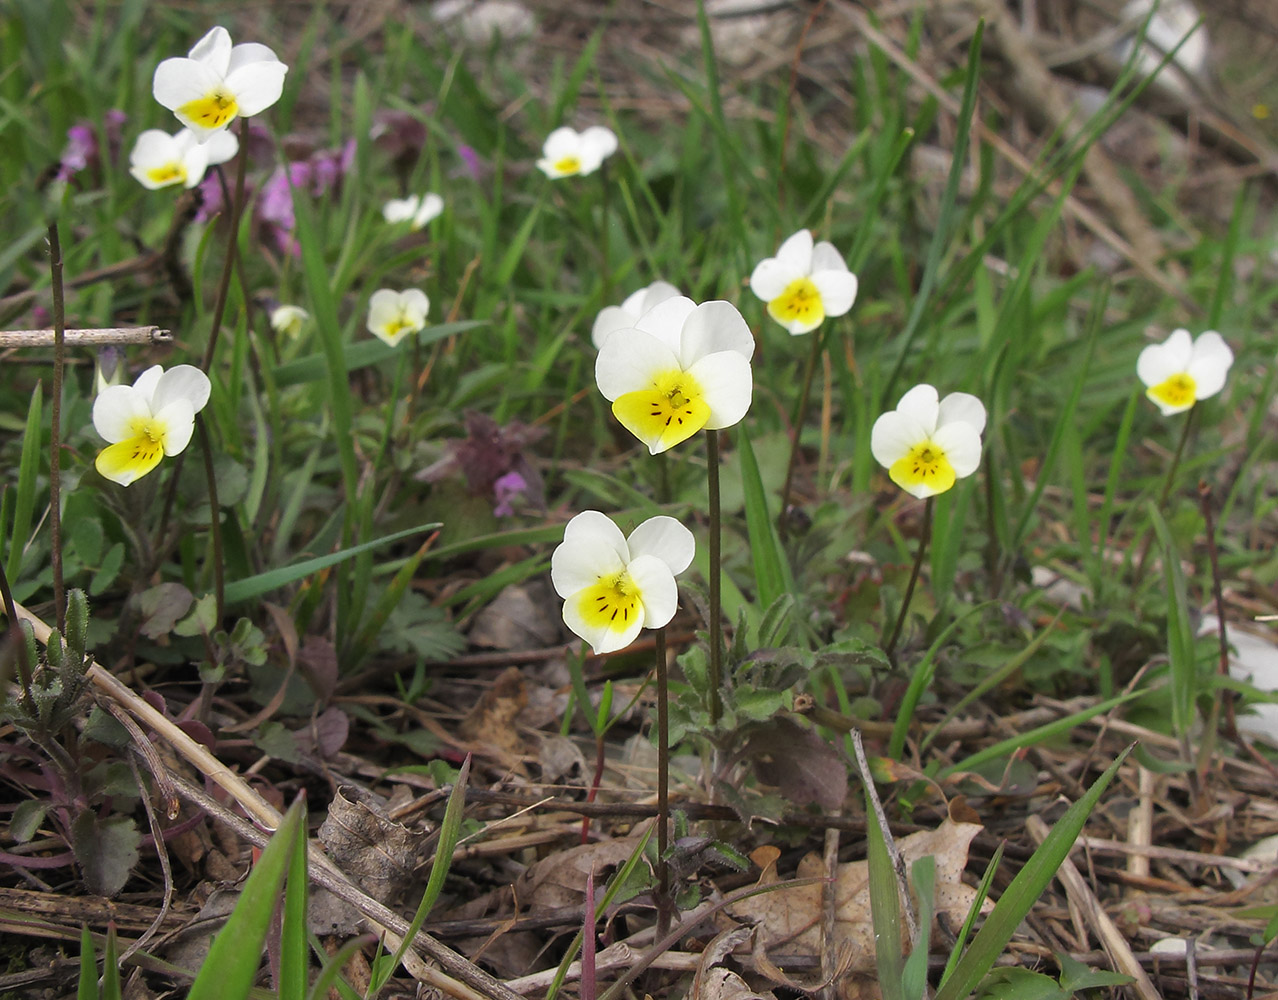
(400,209)
(657,589)
(592,547)
(177,419)
(146,384)
(213,50)
(185,382)
(826,258)
(128,460)
(665,320)
(179,81)
(838,290)
(257,85)
(115,409)
(727,385)
(964,408)
(562,142)
(772,276)
(1158,362)
(922,405)
(431,206)
(248,53)
(1210,363)
(961,443)
(796,252)
(665,538)
(602,636)
(893,435)
(712,328)
(414,302)
(610,320)
(631,363)
(383,308)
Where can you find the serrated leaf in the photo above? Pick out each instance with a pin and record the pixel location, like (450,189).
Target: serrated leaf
(107,850)
(26,819)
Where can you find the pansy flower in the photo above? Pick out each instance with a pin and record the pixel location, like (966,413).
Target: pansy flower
(416,210)
(681,368)
(613,585)
(1180,371)
(567,152)
(626,315)
(926,443)
(392,315)
(160,160)
(217,83)
(803,283)
(288,320)
(154,416)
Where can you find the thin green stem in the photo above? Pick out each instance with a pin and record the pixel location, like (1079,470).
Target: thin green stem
(663,785)
(55,437)
(1168,482)
(215,515)
(716,570)
(800,415)
(603,234)
(924,538)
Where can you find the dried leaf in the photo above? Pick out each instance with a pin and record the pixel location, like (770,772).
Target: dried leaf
(492,721)
(380,853)
(318,662)
(799,762)
(560,880)
(517,619)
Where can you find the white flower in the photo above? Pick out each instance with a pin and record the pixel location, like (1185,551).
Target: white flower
(803,284)
(613,586)
(566,152)
(681,368)
(216,83)
(393,314)
(152,417)
(288,320)
(417,210)
(161,160)
(626,315)
(926,445)
(1180,371)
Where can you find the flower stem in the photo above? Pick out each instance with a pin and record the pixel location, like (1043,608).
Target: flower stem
(924,538)
(1165,492)
(663,784)
(55,436)
(603,234)
(215,516)
(716,601)
(800,415)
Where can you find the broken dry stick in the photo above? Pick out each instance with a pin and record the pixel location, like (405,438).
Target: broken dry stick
(89,338)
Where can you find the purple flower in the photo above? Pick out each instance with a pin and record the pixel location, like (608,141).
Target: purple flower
(492,459)
(210,198)
(505,490)
(470,158)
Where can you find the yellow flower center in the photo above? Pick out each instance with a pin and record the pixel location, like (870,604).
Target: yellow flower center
(799,303)
(172,172)
(926,464)
(612,603)
(1180,391)
(213,110)
(567,165)
(671,411)
(137,455)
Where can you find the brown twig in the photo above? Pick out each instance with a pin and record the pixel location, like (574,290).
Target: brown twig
(87,337)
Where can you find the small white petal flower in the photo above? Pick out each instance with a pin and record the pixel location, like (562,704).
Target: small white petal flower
(417,210)
(567,153)
(681,368)
(154,416)
(626,315)
(218,82)
(803,284)
(160,160)
(1180,371)
(926,443)
(613,586)
(393,314)
(288,320)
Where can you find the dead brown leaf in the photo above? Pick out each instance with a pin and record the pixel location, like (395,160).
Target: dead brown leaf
(491,723)
(377,852)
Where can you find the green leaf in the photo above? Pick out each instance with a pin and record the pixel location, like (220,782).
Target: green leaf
(294,950)
(107,850)
(111,967)
(254,586)
(1180,632)
(26,819)
(771,571)
(231,967)
(885,910)
(87,988)
(1026,888)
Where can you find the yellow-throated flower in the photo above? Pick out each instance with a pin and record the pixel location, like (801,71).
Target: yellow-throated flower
(416,210)
(1180,371)
(567,152)
(288,320)
(612,585)
(803,284)
(927,444)
(681,368)
(217,83)
(626,315)
(160,160)
(154,416)
(392,315)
